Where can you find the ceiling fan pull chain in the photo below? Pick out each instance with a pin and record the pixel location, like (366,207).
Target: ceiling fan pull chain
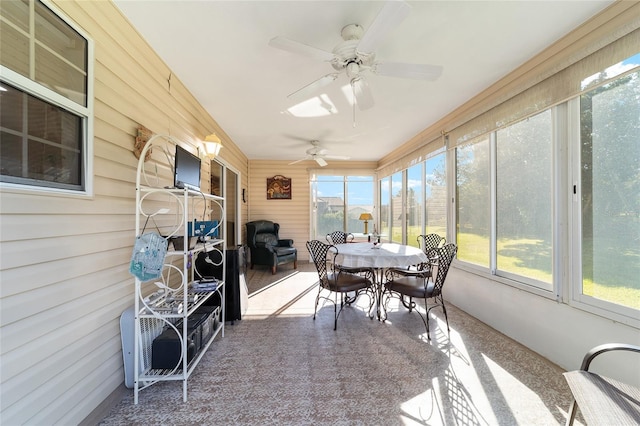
(353,90)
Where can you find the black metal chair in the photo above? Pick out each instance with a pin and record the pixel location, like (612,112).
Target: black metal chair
(422,285)
(426,243)
(336,280)
(339,237)
(429,241)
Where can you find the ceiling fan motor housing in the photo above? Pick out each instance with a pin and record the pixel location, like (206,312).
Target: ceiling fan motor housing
(346,53)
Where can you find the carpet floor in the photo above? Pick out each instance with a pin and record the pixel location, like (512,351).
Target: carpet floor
(278,366)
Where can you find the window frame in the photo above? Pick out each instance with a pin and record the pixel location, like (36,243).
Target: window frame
(85,113)
(558,146)
(573,293)
(345,175)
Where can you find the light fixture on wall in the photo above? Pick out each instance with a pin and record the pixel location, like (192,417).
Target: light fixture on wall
(366,217)
(212,145)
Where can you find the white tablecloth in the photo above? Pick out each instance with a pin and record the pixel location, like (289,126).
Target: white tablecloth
(388,255)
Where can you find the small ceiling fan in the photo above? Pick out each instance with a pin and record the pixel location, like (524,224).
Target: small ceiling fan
(355,56)
(319,154)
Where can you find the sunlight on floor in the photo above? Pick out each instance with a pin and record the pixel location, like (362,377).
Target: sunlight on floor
(292,295)
(456,394)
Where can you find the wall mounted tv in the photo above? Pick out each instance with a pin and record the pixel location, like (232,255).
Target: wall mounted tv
(187,170)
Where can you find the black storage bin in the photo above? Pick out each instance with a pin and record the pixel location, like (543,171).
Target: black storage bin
(166,349)
(210,321)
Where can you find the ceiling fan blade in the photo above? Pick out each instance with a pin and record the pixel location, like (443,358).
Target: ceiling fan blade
(389,17)
(311,88)
(416,71)
(300,49)
(362,93)
(300,160)
(294,137)
(320,161)
(337,157)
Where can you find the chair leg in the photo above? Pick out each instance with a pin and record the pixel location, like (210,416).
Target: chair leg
(426,308)
(446,318)
(315,309)
(336,312)
(572,413)
(273,270)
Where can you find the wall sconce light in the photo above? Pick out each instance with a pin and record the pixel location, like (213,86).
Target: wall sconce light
(366,217)
(212,145)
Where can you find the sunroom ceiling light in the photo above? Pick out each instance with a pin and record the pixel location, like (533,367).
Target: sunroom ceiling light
(212,145)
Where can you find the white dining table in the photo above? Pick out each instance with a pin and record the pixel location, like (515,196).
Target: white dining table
(380,258)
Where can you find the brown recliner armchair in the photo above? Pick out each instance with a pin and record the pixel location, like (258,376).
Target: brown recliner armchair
(266,247)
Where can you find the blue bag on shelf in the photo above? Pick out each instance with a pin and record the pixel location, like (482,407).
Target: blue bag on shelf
(148,255)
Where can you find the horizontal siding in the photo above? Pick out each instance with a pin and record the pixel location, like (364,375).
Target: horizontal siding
(64,258)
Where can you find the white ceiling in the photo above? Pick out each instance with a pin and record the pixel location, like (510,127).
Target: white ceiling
(220,51)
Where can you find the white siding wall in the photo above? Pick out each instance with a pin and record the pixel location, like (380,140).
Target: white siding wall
(557,331)
(64,271)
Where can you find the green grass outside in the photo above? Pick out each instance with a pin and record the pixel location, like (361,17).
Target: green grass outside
(532,258)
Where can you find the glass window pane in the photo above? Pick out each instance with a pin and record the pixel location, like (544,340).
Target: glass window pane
(51,149)
(15,49)
(330,207)
(11,108)
(59,37)
(436,195)
(415,204)
(385,206)
(610,154)
(16,12)
(523,196)
(473,195)
(57,75)
(359,200)
(11,154)
(396,208)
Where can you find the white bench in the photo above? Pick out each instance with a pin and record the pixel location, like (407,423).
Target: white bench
(603,401)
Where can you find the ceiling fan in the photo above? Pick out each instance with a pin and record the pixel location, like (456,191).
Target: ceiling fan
(355,56)
(318,154)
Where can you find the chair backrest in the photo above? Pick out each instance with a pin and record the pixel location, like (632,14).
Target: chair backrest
(262,231)
(322,258)
(339,237)
(446,254)
(430,241)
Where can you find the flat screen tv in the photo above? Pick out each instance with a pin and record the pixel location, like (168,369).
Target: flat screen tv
(187,170)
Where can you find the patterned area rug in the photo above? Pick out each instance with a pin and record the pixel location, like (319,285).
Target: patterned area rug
(279,366)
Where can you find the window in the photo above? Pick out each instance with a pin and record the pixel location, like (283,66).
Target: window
(436,195)
(333,211)
(524,193)
(473,214)
(415,203)
(45,98)
(385,206)
(609,188)
(396,208)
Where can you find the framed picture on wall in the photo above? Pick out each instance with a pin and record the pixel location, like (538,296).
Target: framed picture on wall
(278,188)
